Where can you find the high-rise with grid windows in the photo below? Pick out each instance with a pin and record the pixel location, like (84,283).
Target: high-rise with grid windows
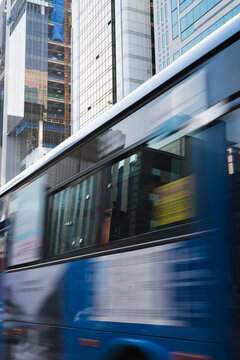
(112,43)
(181,24)
(37,110)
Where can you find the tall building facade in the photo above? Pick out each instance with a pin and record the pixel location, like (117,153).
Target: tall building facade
(112,46)
(181,24)
(3,4)
(37,108)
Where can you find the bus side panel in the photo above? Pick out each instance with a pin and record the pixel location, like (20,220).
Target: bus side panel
(1,313)
(168,290)
(101,345)
(59,343)
(33,342)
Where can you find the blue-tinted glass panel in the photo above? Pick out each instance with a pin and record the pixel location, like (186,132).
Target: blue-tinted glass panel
(175,31)
(189,18)
(174,17)
(187,32)
(162,16)
(196,13)
(183,23)
(176,55)
(185,4)
(167,41)
(174,4)
(201,9)
(211,29)
(166,12)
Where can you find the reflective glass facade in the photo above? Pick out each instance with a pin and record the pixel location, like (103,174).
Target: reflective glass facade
(37,109)
(211,28)
(189,22)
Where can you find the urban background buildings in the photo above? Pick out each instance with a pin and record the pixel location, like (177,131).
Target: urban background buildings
(37,86)
(181,24)
(112,53)
(63,62)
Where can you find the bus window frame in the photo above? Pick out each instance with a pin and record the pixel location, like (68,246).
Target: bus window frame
(140,240)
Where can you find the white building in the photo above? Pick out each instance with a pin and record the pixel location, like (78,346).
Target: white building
(111,54)
(181,24)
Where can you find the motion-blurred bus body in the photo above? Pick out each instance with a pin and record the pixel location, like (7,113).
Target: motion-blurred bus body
(123,242)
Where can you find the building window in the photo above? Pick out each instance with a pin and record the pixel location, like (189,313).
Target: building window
(175,24)
(158,18)
(176,55)
(211,29)
(163,42)
(174,17)
(184,4)
(162,16)
(167,37)
(175,31)
(166,14)
(195,14)
(174,4)
(187,32)
(168,61)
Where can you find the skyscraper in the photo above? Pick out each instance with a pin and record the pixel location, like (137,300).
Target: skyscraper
(2,63)
(37,81)
(111,55)
(179,25)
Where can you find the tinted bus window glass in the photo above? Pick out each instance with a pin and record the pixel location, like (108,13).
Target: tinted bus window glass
(145,191)
(24,237)
(74,215)
(188,98)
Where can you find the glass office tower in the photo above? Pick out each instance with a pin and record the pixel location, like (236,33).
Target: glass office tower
(37,109)
(181,24)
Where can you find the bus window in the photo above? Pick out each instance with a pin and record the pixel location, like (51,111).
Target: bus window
(148,190)
(20,238)
(134,188)
(74,215)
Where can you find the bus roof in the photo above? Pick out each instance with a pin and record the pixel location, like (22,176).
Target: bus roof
(215,39)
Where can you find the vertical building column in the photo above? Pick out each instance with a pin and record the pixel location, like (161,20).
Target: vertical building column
(75,66)
(4,129)
(133,45)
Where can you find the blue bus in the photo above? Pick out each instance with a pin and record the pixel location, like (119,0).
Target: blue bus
(122,243)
